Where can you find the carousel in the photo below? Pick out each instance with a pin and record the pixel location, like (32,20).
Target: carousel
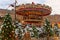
(33,13)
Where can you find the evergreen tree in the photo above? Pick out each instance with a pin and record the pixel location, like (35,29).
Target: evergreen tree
(48,28)
(7,28)
(35,32)
(56,29)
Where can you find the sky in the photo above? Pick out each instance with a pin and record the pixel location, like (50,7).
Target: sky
(55,4)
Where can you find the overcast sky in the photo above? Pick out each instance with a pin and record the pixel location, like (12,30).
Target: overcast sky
(55,4)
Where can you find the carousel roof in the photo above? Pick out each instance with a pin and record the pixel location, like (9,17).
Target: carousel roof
(33,9)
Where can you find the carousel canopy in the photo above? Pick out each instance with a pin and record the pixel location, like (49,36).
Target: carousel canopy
(33,9)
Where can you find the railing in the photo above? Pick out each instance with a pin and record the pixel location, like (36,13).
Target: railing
(45,38)
(32,20)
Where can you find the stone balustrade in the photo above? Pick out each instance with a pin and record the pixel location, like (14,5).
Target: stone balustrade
(45,38)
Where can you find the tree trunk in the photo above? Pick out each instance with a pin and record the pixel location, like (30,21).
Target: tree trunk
(48,37)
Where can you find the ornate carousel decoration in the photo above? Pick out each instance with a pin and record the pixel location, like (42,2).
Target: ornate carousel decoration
(33,13)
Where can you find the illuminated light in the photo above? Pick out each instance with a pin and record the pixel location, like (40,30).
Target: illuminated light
(22,21)
(53,24)
(59,24)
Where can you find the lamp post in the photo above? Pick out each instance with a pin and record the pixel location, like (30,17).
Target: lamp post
(15,9)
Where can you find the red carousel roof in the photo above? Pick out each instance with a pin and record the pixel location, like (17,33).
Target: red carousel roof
(32,9)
